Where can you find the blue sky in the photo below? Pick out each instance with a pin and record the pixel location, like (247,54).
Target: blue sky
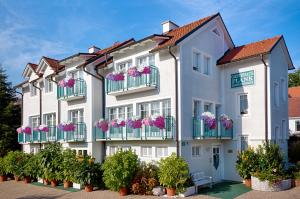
(58,28)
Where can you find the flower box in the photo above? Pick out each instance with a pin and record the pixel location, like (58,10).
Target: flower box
(267,186)
(77,186)
(188,192)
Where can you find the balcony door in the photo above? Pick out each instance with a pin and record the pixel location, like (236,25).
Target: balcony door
(76,116)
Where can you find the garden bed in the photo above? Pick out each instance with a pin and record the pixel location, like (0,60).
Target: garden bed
(267,186)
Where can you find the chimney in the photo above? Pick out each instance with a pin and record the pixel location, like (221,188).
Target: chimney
(168,25)
(94,49)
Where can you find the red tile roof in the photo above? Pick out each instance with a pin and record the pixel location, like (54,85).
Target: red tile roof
(180,33)
(294,107)
(53,63)
(114,46)
(33,66)
(249,50)
(294,91)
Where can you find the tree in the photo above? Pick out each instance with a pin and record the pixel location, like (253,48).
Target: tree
(294,78)
(10,114)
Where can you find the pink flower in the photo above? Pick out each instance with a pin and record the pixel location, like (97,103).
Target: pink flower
(62,83)
(103,125)
(114,123)
(36,129)
(159,122)
(19,130)
(134,123)
(27,130)
(119,77)
(148,121)
(122,123)
(71,83)
(69,127)
(147,70)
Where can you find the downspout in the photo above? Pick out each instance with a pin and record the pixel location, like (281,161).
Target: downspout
(40,108)
(22,105)
(266,98)
(58,101)
(176,98)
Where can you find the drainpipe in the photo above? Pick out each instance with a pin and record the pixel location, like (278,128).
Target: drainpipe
(58,101)
(266,98)
(40,107)
(22,105)
(176,97)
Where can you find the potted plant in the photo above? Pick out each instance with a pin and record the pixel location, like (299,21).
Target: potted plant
(50,160)
(123,166)
(68,166)
(31,169)
(3,170)
(145,179)
(246,164)
(173,173)
(15,163)
(89,174)
(189,188)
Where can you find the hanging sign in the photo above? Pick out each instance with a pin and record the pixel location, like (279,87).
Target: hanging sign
(242,79)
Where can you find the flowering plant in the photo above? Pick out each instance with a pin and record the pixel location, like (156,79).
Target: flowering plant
(209,120)
(102,124)
(138,71)
(226,121)
(36,129)
(19,130)
(69,126)
(44,128)
(147,121)
(134,123)
(159,122)
(115,76)
(116,123)
(62,83)
(70,83)
(26,129)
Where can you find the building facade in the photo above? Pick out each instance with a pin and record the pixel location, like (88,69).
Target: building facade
(294,111)
(188,76)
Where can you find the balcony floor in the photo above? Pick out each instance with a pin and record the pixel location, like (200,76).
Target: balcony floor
(132,90)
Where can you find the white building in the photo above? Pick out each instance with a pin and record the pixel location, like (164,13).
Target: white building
(195,68)
(294,111)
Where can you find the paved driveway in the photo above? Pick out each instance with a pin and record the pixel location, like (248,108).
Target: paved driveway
(13,190)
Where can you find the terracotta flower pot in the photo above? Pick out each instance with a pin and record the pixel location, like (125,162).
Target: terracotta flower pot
(171,191)
(297,182)
(54,183)
(3,178)
(247,182)
(17,178)
(88,188)
(27,179)
(67,184)
(123,191)
(46,181)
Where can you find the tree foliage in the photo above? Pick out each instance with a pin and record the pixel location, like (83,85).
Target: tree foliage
(294,78)
(9,116)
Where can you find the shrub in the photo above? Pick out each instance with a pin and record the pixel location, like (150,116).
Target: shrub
(119,169)
(16,161)
(89,172)
(270,163)
(50,159)
(294,149)
(247,162)
(68,166)
(3,167)
(146,178)
(32,167)
(173,172)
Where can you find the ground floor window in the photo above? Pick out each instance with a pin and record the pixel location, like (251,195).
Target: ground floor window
(161,152)
(196,151)
(82,152)
(244,142)
(297,126)
(113,150)
(146,151)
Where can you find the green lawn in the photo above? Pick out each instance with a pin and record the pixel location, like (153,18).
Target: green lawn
(226,190)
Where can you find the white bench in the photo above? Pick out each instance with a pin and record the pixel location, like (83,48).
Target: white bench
(200,179)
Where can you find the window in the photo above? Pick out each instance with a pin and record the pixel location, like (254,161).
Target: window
(76,116)
(243,104)
(276,94)
(50,119)
(48,86)
(35,121)
(146,151)
(283,89)
(297,126)
(82,152)
(76,74)
(122,112)
(162,107)
(123,66)
(161,152)
(113,150)
(196,151)
(244,142)
(206,65)
(146,60)
(207,107)
(33,90)
(196,60)
(125,148)
(197,109)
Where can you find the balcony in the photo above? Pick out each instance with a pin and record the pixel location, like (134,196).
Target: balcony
(78,135)
(144,133)
(78,91)
(201,131)
(131,84)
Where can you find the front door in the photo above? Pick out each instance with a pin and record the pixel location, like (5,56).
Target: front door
(216,163)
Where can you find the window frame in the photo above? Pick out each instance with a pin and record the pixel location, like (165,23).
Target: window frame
(47,84)
(149,107)
(53,118)
(209,68)
(198,68)
(296,129)
(239,95)
(276,94)
(166,150)
(200,151)
(244,139)
(80,118)
(147,56)
(117,113)
(149,149)
(33,90)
